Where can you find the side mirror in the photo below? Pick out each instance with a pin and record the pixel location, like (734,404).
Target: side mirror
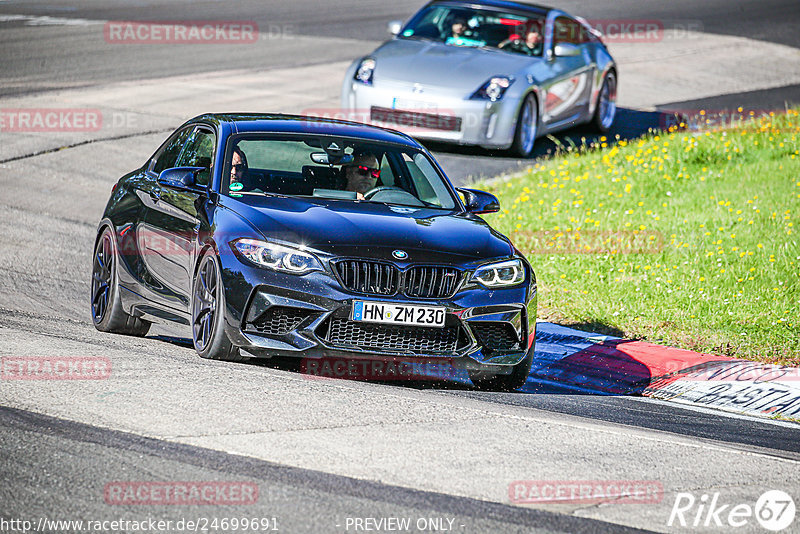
(182,178)
(479,201)
(395,26)
(566,50)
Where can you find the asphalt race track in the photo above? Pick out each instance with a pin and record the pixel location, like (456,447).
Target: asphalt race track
(324,453)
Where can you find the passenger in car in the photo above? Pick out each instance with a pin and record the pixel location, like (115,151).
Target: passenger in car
(362,174)
(459,35)
(531,45)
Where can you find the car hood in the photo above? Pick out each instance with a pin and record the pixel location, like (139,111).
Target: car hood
(373,230)
(435,64)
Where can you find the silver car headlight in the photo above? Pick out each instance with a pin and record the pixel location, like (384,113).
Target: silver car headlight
(277,257)
(502,274)
(365,71)
(494,88)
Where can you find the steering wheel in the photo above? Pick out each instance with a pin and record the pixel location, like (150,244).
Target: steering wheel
(392,194)
(381,188)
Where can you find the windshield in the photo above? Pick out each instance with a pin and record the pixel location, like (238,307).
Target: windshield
(466,26)
(333,168)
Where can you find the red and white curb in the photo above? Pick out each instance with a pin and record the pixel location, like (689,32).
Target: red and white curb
(605,364)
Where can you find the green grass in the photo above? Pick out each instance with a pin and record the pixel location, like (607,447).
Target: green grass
(779,417)
(684,238)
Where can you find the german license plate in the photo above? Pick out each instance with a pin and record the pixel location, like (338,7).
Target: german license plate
(407,314)
(414,105)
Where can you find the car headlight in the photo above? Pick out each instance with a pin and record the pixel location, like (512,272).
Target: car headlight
(277,257)
(503,274)
(365,71)
(494,89)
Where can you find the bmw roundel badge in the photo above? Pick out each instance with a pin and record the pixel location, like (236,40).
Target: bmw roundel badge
(400,254)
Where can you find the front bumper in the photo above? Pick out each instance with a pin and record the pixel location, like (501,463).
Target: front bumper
(274,314)
(436,114)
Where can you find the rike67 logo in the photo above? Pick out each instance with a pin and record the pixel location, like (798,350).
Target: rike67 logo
(774,510)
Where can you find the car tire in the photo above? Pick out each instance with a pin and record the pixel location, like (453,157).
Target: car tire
(527,127)
(606,109)
(208,305)
(510,382)
(106,306)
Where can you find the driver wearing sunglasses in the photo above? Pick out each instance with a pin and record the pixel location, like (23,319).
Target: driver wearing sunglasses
(362,174)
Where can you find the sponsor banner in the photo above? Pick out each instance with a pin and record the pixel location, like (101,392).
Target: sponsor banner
(55,367)
(754,398)
(735,371)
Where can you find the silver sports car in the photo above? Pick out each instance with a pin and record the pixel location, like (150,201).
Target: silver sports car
(490,73)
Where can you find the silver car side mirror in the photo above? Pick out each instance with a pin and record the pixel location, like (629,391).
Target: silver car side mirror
(395,26)
(566,50)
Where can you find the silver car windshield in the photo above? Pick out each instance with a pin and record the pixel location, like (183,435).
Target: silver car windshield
(334,168)
(476,27)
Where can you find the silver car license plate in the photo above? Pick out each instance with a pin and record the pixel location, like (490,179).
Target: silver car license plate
(405,314)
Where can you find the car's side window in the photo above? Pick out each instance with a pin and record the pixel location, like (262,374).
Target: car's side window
(387,174)
(199,152)
(425,191)
(168,155)
(569,30)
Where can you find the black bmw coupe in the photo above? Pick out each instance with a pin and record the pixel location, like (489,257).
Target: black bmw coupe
(294,236)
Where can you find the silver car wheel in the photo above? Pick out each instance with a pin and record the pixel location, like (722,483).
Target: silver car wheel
(607,102)
(528,120)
